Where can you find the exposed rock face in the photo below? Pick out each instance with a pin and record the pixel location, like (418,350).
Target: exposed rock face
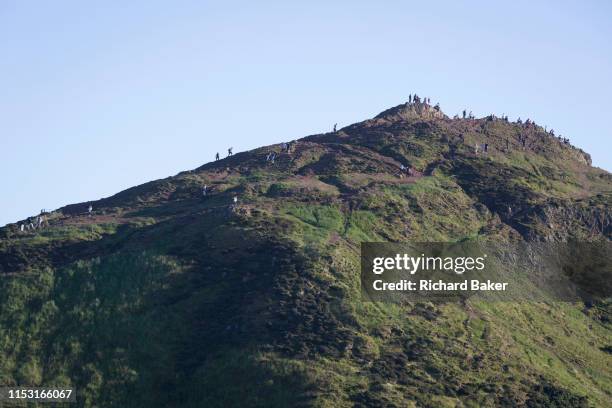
(583,157)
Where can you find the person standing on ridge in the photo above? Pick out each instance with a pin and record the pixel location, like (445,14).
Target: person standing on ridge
(229,151)
(217,157)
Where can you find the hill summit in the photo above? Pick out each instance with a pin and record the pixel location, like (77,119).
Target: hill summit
(419,109)
(237,283)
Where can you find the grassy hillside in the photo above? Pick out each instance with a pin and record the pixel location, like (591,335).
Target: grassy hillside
(164,297)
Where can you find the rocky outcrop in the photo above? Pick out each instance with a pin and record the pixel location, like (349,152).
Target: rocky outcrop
(411,111)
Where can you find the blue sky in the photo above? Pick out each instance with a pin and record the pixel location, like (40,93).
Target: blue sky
(96,98)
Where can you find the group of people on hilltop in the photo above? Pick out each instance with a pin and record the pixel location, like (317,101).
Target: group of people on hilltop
(230,152)
(34,223)
(286,147)
(406,170)
(40,221)
(528,124)
(531,124)
(417,99)
(270,157)
(466,116)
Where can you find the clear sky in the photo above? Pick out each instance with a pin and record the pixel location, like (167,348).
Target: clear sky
(98,97)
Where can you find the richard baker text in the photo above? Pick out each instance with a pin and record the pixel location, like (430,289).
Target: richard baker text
(429,285)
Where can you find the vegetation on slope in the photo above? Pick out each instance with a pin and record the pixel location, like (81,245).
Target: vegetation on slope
(166,298)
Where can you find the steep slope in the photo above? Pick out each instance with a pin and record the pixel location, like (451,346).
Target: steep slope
(164,297)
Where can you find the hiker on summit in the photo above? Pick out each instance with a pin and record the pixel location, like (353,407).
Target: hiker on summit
(410,98)
(229,151)
(335,126)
